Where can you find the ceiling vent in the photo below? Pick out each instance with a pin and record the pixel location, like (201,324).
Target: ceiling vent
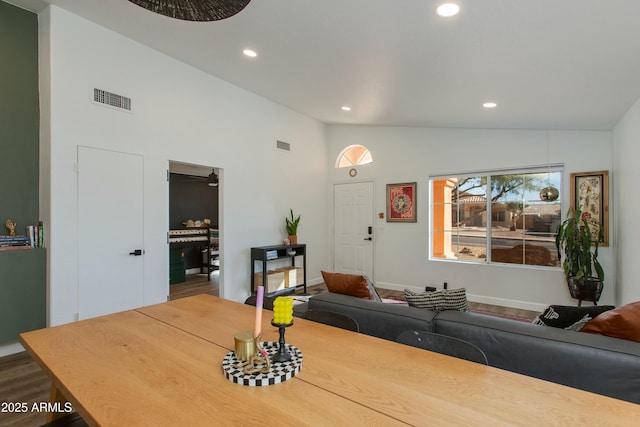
(284,145)
(112,99)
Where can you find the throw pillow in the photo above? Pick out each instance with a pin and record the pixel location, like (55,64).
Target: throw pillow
(569,317)
(373,292)
(622,322)
(443,299)
(347,284)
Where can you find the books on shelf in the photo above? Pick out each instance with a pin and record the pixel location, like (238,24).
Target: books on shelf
(36,235)
(34,238)
(14,241)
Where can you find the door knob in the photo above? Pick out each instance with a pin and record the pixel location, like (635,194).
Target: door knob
(137,252)
(368,238)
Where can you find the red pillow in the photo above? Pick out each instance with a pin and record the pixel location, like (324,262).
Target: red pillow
(347,284)
(622,322)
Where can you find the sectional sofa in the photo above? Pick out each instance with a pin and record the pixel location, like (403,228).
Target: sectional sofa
(595,363)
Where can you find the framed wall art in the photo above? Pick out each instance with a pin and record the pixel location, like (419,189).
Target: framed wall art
(401,202)
(590,194)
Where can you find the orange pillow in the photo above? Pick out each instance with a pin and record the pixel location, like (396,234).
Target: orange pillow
(622,322)
(347,284)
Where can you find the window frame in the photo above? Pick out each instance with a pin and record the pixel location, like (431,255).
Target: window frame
(488,174)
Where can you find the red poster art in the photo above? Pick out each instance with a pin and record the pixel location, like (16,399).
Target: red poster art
(401,202)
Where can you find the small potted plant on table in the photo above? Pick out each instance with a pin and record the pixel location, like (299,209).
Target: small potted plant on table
(291,225)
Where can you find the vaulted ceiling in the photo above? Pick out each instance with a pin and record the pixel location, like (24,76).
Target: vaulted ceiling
(548,64)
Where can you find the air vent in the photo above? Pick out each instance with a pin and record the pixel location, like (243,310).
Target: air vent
(112,99)
(284,145)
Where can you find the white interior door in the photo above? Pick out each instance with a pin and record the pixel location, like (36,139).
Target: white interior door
(110,228)
(353,232)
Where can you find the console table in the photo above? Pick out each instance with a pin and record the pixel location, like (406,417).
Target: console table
(265,254)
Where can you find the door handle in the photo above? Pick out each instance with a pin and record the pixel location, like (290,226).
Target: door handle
(368,238)
(137,252)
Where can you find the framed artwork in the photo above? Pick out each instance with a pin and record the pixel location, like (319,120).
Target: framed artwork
(590,194)
(401,202)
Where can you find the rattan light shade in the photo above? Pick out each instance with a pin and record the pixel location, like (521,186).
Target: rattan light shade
(194,10)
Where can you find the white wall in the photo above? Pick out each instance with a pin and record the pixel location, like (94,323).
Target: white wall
(412,154)
(181,114)
(626,135)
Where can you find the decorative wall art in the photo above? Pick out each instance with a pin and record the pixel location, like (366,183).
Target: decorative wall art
(401,202)
(590,194)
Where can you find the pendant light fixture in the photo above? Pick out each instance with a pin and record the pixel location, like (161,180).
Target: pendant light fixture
(549,193)
(194,10)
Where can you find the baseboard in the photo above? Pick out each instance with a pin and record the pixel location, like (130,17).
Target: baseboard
(7,349)
(502,302)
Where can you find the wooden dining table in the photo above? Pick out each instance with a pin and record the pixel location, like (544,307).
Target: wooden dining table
(162,365)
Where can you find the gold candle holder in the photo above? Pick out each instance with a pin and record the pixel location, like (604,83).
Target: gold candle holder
(245,346)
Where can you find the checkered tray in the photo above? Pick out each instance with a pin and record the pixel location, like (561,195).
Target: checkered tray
(279,372)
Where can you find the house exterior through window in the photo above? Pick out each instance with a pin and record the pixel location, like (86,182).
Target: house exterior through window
(496,217)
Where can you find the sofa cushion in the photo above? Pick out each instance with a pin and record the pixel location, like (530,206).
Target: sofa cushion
(443,299)
(622,322)
(594,363)
(347,284)
(569,317)
(375,318)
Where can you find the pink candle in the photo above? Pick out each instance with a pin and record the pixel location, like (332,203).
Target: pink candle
(259,297)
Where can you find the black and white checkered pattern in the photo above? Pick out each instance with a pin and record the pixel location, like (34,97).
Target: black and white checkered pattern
(280,371)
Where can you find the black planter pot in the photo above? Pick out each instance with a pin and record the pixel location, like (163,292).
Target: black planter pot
(585,289)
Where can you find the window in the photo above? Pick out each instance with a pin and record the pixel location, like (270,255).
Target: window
(353,155)
(520,227)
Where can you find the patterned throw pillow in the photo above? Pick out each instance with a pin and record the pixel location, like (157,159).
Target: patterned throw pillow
(443,299)
(569,317)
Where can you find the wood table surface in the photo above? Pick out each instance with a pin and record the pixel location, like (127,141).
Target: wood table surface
(129,369)
(408,384)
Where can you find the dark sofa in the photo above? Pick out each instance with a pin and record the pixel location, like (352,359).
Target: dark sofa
(595,363)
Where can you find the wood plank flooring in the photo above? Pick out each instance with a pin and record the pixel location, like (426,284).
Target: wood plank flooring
(22,380)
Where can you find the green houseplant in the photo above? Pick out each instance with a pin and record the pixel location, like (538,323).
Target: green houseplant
(291,224)
(574,240)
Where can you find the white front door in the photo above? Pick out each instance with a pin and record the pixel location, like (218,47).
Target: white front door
(353,232)
(110,231)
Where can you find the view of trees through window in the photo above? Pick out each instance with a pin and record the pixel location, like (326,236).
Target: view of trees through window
(524,209)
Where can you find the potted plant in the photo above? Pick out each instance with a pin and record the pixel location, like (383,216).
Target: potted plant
(574,239)
(292,228)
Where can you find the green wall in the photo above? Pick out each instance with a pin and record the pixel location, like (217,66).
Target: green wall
(19,117)
(22,273)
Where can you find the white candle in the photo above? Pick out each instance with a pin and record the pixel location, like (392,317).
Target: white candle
(259,297)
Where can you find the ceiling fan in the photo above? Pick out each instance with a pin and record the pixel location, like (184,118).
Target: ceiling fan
(194,10)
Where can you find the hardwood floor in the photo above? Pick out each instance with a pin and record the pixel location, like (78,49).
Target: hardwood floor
(22,380)
(196,284)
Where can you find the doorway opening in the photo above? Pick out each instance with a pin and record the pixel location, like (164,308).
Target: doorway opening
(194,230)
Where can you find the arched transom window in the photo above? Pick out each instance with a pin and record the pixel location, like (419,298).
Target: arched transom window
(354,155)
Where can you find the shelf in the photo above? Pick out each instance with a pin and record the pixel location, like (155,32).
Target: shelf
(259,254)
(198,237)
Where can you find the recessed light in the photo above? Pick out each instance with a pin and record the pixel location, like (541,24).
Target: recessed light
(489,105)
(250,53)
(448,9)
(346,108)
